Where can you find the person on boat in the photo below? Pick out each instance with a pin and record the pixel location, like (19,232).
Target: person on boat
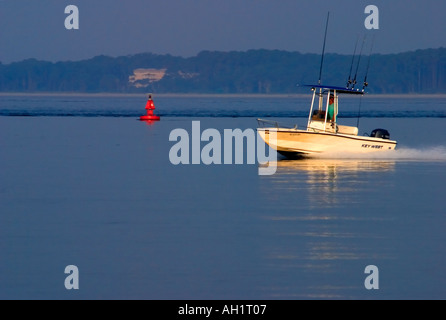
(331,113)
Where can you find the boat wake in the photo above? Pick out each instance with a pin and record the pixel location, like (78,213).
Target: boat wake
(434,153)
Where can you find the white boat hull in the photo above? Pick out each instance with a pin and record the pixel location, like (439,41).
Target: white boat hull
(295,141)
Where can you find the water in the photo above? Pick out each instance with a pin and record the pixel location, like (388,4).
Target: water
(84,183)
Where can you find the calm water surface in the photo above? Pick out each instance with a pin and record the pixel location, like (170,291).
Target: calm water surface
(83,182)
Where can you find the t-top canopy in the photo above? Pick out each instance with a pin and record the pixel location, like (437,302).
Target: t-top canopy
(332,88)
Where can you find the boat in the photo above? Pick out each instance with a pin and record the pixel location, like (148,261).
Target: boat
(323,134)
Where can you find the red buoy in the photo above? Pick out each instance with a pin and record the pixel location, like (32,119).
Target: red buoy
(150,116)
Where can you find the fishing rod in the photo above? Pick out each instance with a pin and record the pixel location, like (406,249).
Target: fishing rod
(365,84)
(323,49)
(359,59)
(349,81)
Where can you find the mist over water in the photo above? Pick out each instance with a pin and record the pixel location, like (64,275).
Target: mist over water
(437,153)
(424,154)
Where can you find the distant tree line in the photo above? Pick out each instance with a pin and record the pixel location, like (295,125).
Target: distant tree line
(253,71)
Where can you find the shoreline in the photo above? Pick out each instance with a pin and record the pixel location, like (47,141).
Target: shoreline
(206,95)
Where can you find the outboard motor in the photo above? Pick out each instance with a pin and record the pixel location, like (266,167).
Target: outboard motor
(380,133)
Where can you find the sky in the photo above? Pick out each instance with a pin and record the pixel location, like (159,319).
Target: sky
(36,28)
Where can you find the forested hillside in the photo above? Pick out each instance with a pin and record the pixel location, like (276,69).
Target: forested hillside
(253,71)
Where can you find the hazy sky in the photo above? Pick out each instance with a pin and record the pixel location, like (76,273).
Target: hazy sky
(36,29)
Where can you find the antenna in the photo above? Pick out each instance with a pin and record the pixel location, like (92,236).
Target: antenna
(368,64)
(323,49)
(349,81)
(359,59)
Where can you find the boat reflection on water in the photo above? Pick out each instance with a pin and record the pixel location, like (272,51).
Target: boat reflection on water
(341,165)
(332,166)
(322,232)
(324,178)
